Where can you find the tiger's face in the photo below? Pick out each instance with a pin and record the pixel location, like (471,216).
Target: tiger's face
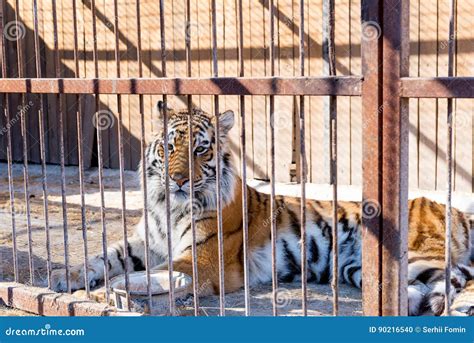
(204,154)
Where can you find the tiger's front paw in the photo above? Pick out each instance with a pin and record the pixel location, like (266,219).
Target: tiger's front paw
(59,279)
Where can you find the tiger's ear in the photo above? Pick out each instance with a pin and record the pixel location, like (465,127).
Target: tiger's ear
(226,121)
(161,107)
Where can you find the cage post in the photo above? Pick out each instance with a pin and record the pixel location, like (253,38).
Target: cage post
(371,152)
(394,206)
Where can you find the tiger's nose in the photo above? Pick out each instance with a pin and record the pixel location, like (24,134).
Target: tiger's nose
(180,179)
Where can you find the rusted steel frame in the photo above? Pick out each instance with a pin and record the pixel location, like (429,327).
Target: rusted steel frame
(371,164)
(42,121)
(23,111)
(143,159)
(46,303)
(304,263)
(59,99)
(315,86)
(220,235)
(80,153)
(437,87)
(6,113)
(329,54)
(167,174)
(273,225)
(394,205)
(449,162)
(187,35)
(121,158)
(100,128)
(243,158)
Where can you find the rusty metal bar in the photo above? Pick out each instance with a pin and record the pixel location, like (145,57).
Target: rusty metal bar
(316,86)
(6,112)
(121,158)
(187,34)
(449,161)
(80,154)
(220,234)
(167,174)
(42,121)
(60,103)
(143,159)
(273,228)
(329,54)
(437,87)
(371,152)
(304,262)
(23,111)
(394,205)
(100,118)
(243,157)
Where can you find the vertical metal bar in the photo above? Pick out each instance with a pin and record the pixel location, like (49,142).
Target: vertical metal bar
(42,122)
(167,174)
(187,33)
(220,235)
(142,153)
(6,111)
(304,264)
(100,128)
(80,155)
(121,158)
(243,158)
(449,161)
(61,148)
(395,159)
(371,55)
(329,54)
(273,228)
(23,112)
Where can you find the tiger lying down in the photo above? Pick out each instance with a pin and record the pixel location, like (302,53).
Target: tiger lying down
(426,227)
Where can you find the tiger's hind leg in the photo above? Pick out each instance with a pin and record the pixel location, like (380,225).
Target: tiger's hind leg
(429,297)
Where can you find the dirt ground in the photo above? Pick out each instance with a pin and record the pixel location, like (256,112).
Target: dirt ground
(319,296)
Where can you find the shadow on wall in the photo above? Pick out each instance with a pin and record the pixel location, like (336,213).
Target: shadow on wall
(30,106)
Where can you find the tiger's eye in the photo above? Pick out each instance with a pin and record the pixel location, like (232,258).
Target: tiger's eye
(200,150)
(170,147)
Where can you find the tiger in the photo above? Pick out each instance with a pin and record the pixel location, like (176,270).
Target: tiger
(425,240)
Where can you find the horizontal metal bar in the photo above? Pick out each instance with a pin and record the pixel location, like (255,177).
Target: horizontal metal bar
(48,303)
(335,85)
(437,87)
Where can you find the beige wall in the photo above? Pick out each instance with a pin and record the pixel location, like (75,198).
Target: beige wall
(429,32)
